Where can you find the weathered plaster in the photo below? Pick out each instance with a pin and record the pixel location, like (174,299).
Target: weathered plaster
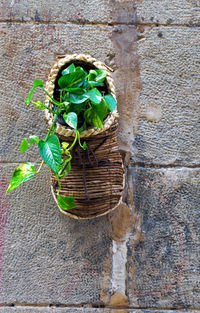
(128,83)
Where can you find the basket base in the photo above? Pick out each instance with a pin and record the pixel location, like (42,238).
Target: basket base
(96,179)
(78,217)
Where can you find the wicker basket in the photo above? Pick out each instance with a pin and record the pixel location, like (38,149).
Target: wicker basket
(96,179)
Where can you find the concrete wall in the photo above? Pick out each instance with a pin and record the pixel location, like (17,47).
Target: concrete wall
(145,256)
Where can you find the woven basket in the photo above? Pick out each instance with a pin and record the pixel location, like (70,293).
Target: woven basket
(96,178)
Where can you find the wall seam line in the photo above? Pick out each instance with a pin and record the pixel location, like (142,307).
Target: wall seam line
(188,25)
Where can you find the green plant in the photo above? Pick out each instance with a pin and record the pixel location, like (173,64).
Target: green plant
(81,105)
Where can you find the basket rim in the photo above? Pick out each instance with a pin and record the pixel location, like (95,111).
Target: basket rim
(50,85)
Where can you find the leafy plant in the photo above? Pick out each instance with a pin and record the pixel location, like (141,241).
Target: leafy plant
(81,104)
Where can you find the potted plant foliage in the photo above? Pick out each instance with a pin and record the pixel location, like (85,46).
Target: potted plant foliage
(80,145)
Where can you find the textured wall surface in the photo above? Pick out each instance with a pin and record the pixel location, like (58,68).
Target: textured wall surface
(144,257)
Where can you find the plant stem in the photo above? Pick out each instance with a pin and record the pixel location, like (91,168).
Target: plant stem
(52,126)
(59,184)
(54,101)
(79,140)
(67,160)
(53,112)
(48,94)
(74,140)
(40,167)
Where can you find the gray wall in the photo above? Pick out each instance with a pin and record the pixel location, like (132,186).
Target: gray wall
(144,256)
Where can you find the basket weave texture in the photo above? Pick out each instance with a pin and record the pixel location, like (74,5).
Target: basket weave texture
(102,169)
(96,179)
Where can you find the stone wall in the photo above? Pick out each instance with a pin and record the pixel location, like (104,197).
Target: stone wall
(144,257)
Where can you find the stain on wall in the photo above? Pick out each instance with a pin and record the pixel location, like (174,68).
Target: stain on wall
(152,113)
(123,11)
(128,83)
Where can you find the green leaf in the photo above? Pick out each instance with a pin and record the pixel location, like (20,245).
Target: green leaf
(77,90)
(64,170)
(33,139)
(71,79)
(66,203)
(23,173)
(24,145)
(65,145)
(68,168)
(76,107)
(94,95)
(88,116)
(39,105)
(50,152)
(101,109)
(96,75)
(36,83)
(66,97)
(92,118)
(94,84)
(85,85)
(69,69)
(101,75)
(92,75)
(71,119)
(111,102)
(84,145)
(78,98)
(66,105)
(79,83)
